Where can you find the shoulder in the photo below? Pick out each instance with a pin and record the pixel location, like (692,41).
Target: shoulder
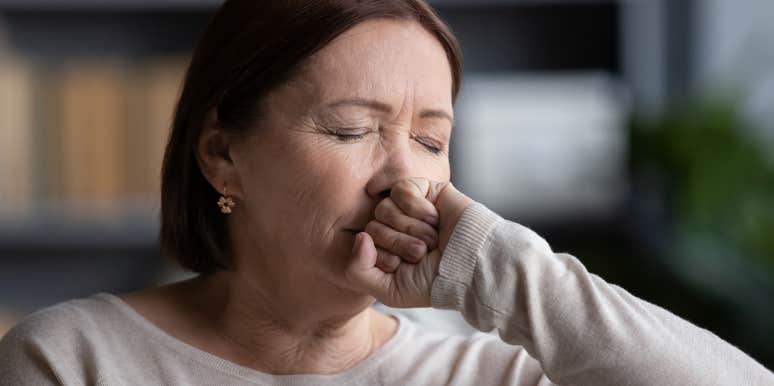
(64,320)
(41,347)
(60,330)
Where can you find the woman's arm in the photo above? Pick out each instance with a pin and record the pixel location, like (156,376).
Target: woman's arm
(501,275)
(584,331)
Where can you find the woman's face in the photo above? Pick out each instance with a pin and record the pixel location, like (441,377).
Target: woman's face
(371,108)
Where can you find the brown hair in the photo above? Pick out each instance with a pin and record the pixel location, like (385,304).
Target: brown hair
(248,48)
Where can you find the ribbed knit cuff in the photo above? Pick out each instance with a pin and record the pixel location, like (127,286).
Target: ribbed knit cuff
(468,241)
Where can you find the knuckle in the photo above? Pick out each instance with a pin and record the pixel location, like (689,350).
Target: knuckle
(381,211)
(412,229)
(385,210)
(384,261)
(380,257)
(420,185)
(404,185)
(414,208)
(373,227)
(395,243)
(402,191)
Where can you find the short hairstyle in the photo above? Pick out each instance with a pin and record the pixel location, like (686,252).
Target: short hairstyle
(249,48)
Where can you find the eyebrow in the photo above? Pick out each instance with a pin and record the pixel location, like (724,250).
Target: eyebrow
(385,108)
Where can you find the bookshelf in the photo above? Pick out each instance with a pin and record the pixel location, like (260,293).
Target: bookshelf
(84,113)
(177,4)
(84,137)
(94,82)
(107,4)
(88,90)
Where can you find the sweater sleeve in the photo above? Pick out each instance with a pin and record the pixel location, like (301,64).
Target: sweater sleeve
(584,331)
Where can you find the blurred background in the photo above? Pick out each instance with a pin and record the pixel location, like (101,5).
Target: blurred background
(636,135)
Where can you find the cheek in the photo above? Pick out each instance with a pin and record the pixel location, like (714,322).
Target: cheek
(307,192)
(339,194)
(330,197)
(334,172)
(330,185)
(442,171)
(431,166)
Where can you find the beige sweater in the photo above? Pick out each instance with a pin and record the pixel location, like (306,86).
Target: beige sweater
(546,307)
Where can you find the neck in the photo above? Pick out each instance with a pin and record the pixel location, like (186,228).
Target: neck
(263,331)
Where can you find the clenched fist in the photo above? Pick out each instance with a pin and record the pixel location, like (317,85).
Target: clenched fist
(396,259)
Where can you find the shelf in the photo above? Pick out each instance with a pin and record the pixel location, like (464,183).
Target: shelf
(57,231)
(31,5)
(211,4)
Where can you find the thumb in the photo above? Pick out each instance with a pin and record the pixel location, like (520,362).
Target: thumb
(362,271)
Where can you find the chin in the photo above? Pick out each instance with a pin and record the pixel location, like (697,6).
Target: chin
(350,302)
(337,295)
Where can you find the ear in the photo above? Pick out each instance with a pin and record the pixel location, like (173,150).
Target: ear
(214,151)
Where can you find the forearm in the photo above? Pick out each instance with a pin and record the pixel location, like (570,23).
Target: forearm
(584,331)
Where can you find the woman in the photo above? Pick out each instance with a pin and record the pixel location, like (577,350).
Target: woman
(321,130)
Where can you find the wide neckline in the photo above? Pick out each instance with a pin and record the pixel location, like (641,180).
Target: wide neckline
(223,365)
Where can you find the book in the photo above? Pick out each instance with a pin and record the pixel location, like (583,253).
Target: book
(86,135)
(153,99)
(91,103)
(16,126)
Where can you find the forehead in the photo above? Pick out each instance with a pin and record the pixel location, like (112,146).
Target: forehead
(383,59)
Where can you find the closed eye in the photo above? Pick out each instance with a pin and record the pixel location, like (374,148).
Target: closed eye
(429,145)
(348,135)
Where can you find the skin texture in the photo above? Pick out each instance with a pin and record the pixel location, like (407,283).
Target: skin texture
(342,196)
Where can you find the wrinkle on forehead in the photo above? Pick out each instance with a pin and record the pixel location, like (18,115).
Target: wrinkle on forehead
(381,59)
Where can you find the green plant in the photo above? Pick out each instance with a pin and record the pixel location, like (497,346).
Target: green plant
(721,182)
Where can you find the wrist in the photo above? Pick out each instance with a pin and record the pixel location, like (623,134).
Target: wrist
(451,204)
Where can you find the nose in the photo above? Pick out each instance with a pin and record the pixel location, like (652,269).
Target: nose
(396,165)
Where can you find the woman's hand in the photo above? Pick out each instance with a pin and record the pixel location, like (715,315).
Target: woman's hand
(396,259)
